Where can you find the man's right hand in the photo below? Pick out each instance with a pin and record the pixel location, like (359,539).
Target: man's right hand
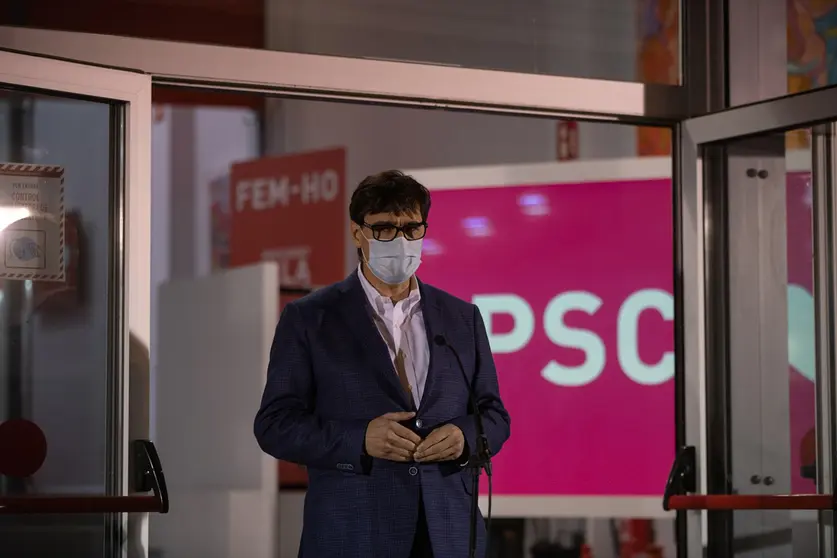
(386,439)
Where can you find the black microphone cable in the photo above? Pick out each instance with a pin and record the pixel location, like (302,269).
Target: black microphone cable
(481,440)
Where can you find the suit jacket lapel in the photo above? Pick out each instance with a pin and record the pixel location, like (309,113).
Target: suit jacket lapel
(356,312)
(433,325)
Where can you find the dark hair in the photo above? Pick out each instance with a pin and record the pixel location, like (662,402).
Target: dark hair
(388,192)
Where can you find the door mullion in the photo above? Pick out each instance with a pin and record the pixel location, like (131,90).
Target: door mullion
(825,297)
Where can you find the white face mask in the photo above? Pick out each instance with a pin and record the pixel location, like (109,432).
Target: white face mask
(396,261)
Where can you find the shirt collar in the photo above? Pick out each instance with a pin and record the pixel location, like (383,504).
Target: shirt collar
(379,301)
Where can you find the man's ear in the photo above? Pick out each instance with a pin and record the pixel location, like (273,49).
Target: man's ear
(354,231)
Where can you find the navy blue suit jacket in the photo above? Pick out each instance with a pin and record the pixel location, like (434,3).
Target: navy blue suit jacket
(330,374)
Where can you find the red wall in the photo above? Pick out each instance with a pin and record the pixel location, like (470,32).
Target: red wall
(222,22)
(226,22)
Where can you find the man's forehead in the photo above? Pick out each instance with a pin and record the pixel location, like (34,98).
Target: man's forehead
(405,217)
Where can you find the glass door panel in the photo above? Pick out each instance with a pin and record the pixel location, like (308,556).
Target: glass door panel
(771,338)
(71,150)
(60,358)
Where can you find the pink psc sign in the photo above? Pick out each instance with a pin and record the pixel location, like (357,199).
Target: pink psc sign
(575,282)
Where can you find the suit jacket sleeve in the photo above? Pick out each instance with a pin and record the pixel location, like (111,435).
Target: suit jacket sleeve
(287,425)
(487,393)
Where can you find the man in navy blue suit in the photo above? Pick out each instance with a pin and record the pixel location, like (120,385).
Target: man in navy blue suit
(358,392)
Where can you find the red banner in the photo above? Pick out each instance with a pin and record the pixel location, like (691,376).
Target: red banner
(567,140)
(291,209)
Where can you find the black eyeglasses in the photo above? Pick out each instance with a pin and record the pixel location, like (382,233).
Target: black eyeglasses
(387,232)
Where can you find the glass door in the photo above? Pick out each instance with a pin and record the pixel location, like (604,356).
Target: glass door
(77,475)
(754,475)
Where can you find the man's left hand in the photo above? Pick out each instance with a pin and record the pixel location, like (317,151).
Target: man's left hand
(446,443)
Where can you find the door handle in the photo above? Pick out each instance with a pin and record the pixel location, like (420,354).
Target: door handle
(683,475)
(682,480)
(148,478)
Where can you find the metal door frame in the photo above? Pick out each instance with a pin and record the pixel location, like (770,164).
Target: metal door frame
(132,90)
(294,75)
(697,137)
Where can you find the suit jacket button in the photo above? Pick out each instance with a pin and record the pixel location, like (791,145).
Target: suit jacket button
(418,423)
(413,471)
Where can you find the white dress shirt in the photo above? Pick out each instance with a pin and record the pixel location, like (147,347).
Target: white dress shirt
(401,325)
